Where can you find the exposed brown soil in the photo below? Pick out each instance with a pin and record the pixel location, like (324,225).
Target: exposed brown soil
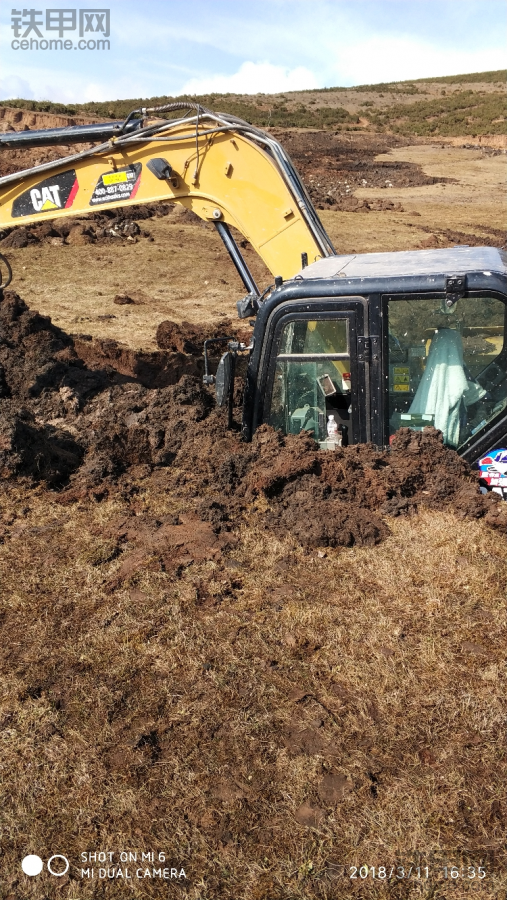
(105,227)
(57,404)
(66,421)
(12,119)
(189,338)
(443,237)
(334,165)
(18,160)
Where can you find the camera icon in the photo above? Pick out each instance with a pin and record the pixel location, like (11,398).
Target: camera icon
(33,865)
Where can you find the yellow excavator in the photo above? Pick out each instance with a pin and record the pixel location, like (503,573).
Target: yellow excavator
(350,347)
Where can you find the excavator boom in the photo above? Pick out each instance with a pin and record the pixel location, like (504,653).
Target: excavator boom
(221,168)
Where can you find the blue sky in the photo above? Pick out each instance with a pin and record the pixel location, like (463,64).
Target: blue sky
(200,46)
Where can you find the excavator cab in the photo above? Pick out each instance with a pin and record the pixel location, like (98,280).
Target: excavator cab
(422,342)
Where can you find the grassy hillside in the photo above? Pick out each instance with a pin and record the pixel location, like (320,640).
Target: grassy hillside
(263,112)
(497,75)
(465,112)
(471,104)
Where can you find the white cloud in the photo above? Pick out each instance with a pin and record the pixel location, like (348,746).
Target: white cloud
(44,84)
(13,87)
(253,78)
(386,58)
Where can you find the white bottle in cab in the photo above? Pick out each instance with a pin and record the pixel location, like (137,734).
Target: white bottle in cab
(332,429)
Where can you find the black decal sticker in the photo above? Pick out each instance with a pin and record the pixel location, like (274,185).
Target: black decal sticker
(119,185)
(57,192)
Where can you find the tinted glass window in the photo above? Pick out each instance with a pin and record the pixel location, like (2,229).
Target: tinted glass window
(447,368)
(315,337)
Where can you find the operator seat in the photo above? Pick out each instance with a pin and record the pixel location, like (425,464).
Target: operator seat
(444,390)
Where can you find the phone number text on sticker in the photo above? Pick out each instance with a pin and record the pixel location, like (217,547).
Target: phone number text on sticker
(120,185)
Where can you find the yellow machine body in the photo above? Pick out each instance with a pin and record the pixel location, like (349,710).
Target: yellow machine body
(224,177)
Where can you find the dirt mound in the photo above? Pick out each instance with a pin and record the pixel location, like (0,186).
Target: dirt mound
(43,453)
(151,369)
(87,426)
(442,237)
(284,485)
(189,338)
(58,412)
(35,355)
(105,227)
(330,499)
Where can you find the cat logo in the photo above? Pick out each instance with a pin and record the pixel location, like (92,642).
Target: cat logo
(53,193)
(45,199)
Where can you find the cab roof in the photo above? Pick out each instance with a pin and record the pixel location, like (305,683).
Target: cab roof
(451,261)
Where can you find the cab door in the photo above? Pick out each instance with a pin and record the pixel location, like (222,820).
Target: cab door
(313,371)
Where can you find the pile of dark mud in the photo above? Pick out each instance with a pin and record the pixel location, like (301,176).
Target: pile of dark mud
(330,499)
(189,337)
(180,353)
(105,227)
(85,429)
(70,405)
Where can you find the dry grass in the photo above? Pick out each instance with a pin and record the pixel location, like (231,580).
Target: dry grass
(474,202)
(197,714)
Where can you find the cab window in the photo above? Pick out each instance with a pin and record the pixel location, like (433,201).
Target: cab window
(312,378)
(447,367)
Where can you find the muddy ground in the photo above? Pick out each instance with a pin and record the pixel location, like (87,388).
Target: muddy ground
(270,663)
(105,227)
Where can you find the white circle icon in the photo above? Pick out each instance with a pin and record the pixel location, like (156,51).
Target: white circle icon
(66,869)
(32,865)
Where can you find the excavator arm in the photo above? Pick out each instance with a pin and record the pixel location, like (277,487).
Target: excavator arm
(218,166)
